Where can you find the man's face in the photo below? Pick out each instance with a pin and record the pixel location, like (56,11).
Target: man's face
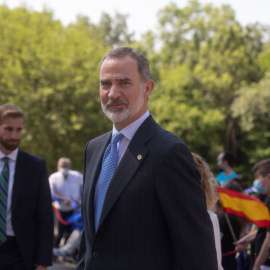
(220,161)
(123,94)
(63,164)
(265,180)
(11,130)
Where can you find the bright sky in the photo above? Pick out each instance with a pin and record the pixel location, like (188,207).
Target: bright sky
(142,13)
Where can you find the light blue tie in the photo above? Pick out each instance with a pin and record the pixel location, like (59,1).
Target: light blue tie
(109,164)
(4,177)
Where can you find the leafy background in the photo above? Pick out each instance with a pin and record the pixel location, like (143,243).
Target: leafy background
(212,78)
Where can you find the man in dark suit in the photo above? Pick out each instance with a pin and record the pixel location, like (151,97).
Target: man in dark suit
(152,214)
(26,217)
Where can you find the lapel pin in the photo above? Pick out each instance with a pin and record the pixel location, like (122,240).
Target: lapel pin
(139,157)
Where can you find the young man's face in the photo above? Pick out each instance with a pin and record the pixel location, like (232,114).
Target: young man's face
(220,161)
(11,131)
(265,180)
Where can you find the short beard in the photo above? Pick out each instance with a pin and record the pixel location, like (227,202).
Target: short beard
(8,146)
(123,114)
(116,115)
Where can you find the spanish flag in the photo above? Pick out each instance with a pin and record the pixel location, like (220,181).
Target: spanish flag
(245,206)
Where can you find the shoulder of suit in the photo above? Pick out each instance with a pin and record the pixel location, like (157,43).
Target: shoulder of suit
(27,156)
(167,136)
(99,139)
(168,142)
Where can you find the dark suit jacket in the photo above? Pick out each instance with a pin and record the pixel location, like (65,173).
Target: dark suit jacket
(32,216)
(154,214)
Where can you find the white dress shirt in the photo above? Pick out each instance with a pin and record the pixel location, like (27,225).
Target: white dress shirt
(216,228)
(12,163)
(69,187)
(128,133)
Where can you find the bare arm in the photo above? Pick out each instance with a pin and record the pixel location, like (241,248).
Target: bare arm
(264,252)
(65,200)
(241,244)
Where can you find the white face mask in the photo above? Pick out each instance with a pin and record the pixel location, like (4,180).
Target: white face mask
(64,171)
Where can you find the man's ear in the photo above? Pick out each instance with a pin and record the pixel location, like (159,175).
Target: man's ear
(149,86)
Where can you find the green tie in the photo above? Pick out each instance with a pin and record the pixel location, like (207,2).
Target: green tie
(4,176)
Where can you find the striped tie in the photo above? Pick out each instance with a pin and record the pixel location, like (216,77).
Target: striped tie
(4,176)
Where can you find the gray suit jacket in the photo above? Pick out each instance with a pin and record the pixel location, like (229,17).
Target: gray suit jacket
(154,215)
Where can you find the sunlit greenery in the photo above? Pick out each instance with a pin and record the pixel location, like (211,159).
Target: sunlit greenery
(212,78)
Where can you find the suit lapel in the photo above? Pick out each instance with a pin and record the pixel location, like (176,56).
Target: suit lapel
(133,157)
(19,178)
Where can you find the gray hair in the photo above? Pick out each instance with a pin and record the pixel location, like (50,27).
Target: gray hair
(64,161)
(143,66)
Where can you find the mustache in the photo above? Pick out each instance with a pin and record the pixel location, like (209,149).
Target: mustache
(13,141)
(115,102)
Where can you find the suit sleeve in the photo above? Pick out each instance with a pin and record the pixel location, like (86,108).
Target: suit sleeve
(184,205)
(80,264)
(82,249)
(44,218)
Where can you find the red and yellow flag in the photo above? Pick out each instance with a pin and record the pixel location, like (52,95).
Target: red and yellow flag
(245,206)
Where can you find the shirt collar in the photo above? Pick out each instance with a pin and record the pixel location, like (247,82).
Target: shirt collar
(12,156)
(131,129)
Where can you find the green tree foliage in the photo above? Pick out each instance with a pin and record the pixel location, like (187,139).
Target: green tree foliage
(264,59)
(52,73)
(252,108)
(114,30)
(205,57)
(211,74)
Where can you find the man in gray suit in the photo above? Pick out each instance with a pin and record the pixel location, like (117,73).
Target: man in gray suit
(148,210)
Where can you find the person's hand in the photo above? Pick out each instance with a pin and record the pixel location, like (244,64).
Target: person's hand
(40,267)
(256,267)
(241,245)
(78,202)
(66,201)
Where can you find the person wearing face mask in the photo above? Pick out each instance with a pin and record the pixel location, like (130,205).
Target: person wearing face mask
(261,236)
(65,187)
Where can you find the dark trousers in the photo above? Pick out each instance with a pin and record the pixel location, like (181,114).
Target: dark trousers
(63,230)
(10,256)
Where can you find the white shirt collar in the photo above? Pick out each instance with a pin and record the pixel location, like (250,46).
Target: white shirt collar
(12,156)
(131,129)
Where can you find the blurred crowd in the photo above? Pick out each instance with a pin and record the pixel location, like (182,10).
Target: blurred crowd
(238,242)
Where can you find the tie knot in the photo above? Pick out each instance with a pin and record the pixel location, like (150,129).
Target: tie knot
(5,160)
(117,137)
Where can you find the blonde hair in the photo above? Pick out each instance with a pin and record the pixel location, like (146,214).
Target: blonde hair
(208,181)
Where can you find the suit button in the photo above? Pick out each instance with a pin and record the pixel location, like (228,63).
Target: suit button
(95,254)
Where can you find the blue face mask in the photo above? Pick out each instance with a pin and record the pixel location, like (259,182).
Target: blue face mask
(260,188)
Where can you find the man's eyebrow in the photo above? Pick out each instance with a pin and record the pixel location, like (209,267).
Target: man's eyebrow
(123,79)
(118,79)
(104,80)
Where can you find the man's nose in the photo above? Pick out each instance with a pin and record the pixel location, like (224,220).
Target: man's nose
(15,134)
(114,92)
